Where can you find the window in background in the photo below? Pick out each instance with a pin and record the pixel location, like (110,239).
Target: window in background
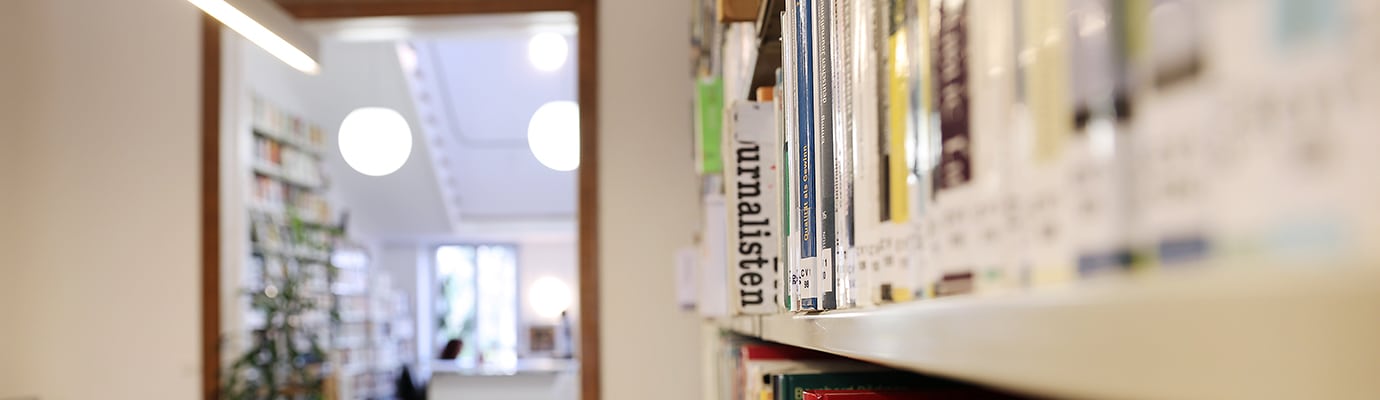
(477,301)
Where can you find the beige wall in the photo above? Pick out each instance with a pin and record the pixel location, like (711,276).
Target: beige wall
(106,202)
(647,199)
(12,22)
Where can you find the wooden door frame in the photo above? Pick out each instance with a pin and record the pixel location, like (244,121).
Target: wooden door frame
(587,57)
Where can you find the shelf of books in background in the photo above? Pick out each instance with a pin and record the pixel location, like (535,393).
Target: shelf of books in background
(921,149)
(374,334)
(287,302)
(305,274)
(390,336)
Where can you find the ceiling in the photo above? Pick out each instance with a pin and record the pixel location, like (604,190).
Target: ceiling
(475,96)
(468,100)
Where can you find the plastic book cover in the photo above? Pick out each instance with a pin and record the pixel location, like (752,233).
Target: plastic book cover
(807,157)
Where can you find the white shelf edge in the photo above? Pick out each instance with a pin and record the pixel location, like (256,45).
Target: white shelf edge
(1212,333)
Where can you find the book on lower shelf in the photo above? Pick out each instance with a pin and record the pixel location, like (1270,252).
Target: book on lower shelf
(750,369)
(792,385)
(924,394)
(760,361)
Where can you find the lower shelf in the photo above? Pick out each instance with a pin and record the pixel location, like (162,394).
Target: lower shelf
(1200,334)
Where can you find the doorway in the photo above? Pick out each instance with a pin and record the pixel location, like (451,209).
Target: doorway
(398,244)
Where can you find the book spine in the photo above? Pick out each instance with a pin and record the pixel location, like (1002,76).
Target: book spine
(805,82)
(1049,109)
(826,266)
(895,205)
(752,209)
(951,67)
(790,73)
(844,129)
(709,109)
(866,216)
(783,195)
(713,299)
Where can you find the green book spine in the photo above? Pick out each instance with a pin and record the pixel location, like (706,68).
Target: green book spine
(793,386)
(710,107)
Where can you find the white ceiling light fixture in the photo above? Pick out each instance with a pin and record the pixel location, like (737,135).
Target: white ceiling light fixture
(549,297)
(548,51)
(375,141)
(268,26)
(553,134)
(407,57)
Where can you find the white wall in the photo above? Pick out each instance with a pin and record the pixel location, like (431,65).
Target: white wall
(555,257)
(647,197)
(106,200)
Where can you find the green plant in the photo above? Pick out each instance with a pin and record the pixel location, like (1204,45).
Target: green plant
(286,359)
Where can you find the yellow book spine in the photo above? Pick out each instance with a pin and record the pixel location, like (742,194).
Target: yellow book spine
(1047,80)
(898,88)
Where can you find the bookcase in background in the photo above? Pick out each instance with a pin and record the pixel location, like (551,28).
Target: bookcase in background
(1087,198)
(296,237)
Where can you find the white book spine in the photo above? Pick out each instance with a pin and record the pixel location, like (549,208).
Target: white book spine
(753,216)
(865,161)
(837,132)
(713,288)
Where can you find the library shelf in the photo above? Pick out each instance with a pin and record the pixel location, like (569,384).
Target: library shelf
(277,173)
(301,145)
(279,211)
(314,256)
(768,54)
(1210,333)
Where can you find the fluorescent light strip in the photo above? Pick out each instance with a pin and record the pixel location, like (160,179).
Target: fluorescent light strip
(258,34)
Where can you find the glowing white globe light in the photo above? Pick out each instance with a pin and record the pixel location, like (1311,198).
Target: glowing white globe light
(549,297)
(553,134)
(375,141)
(547,51)
(407,57)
